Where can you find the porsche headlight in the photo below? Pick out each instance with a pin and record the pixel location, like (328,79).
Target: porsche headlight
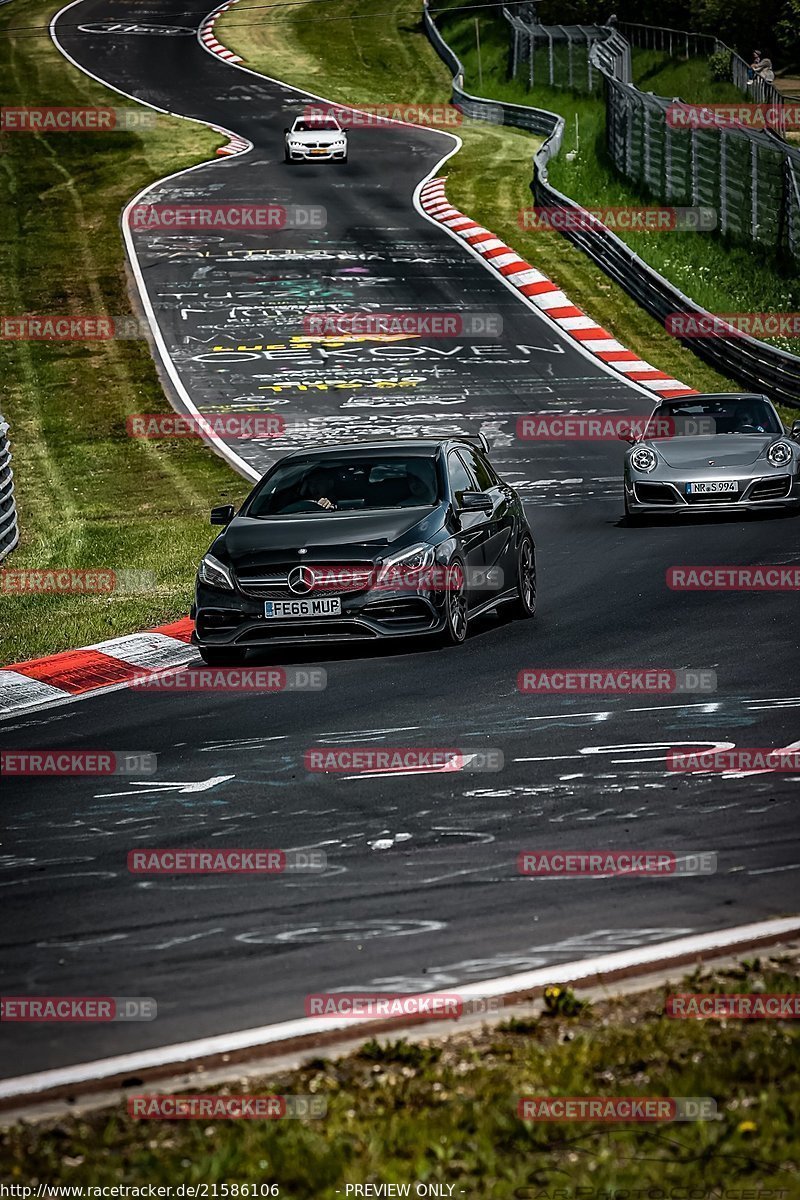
(215,573)
(780,454)
(643,458)
(415,559)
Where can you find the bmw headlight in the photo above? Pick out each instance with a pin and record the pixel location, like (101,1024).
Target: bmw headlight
(407,563)
(643,458)
(780,454)
(215,573)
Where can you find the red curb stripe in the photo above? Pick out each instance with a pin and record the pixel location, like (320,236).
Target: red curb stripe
(680,392)
(515,268)
(568,310)
(181,630)
(78,671)
(647,375)
(538,289)
(498,250)
(474,238)
(590,335)
(612,356)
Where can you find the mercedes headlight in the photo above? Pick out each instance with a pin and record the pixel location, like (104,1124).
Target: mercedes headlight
(643,458)
(408,562)
(780,454)
(215,573)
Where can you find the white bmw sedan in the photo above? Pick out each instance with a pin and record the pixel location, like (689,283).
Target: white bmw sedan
(311,139)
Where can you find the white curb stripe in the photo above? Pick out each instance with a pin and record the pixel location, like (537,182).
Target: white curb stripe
(150,650)
(502,260)
(602,344)
(554,299)
(20,691)
(490,244)
(578,323)
(531,276)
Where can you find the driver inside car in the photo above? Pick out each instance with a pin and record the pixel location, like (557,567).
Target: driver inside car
(747,420)
(318,487)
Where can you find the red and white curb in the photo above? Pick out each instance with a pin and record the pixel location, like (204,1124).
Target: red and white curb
(307,1033)
(209,39)
(41,681)
(237,145)
(547,296)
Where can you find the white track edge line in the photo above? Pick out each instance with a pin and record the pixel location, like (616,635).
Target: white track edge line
(183,1053)
(221,448)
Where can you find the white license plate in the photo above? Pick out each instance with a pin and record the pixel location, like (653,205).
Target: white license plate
(328,606)
(721,485)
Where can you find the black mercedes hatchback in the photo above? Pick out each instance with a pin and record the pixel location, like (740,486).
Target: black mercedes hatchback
(364,541)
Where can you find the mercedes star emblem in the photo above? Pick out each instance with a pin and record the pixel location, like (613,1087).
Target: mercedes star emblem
(301,580)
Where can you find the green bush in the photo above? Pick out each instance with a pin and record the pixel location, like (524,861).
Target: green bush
(719,66)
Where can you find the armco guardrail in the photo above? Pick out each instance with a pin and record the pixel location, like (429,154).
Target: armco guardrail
(754,364)
(9,530)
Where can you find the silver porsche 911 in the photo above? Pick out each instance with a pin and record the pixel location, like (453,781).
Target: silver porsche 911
(709,453)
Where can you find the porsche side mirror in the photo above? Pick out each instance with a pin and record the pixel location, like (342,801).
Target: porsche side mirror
(796,429)
(287,130)
(223,515)
(625,435)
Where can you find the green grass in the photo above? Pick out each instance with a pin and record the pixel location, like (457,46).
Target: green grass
(383,55)
(88,495)
(444,1112)
(690,79)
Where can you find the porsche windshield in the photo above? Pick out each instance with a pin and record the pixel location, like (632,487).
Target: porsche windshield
(347,484)
(709,415)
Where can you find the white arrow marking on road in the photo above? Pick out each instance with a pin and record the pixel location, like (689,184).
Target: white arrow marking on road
(180,789)
(764,770)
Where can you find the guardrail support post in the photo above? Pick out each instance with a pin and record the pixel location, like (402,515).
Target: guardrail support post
(754,191)
(9,526)
(723,181)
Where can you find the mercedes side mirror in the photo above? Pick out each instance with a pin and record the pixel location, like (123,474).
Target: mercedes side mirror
(223,515)
(287,129)
(476,502)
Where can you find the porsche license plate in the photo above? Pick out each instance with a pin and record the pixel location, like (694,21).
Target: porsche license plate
(715,486)
(328,606)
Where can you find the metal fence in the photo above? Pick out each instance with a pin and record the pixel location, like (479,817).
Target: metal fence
(678,43)
(681,153)
(9,530)
(754,364)
(560,56)
(746,175)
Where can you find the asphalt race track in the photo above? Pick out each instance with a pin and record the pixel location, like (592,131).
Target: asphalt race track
(421,889)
